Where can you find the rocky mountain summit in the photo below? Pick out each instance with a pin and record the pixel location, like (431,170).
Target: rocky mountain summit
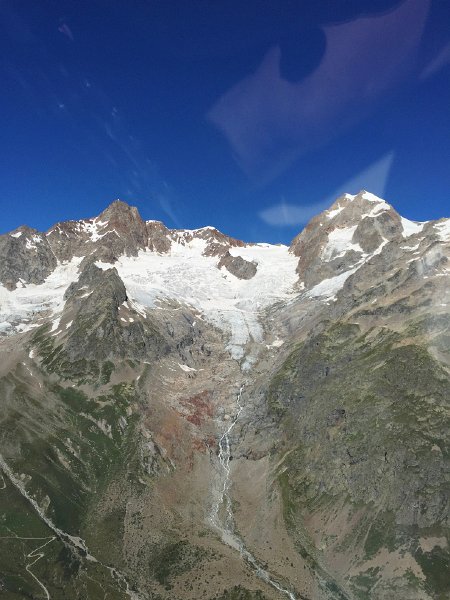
(184,415)
(30,256)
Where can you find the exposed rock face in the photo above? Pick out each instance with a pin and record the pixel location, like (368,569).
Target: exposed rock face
(217,242)
(102,327)
(26,255)
(158,237)
(372,232)
(158,414)
(116,231)
(238,266)
(68,239)
(339,239)
(125,221)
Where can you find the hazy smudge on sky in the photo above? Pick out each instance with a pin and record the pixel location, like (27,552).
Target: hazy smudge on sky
(269,121)
(439,62)
(374,178)
(65,30)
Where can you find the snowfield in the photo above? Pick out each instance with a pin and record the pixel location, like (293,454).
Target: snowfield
(27,302)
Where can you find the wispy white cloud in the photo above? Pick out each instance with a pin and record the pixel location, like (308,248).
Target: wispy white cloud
(373,179)
(164,196)
(65,30)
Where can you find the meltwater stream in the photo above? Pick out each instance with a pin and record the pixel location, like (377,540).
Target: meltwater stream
(225,523)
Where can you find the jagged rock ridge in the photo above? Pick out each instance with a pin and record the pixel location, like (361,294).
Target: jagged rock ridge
(119,230)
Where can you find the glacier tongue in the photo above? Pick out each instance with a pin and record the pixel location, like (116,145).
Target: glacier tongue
(231,304)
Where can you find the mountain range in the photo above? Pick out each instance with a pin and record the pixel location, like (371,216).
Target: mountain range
(186,416)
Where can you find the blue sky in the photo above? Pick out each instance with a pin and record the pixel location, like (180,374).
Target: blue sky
(250,116)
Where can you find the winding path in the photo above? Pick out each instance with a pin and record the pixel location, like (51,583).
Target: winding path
(75,543)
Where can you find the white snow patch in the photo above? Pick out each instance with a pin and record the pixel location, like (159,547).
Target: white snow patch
(86,295)
(329,287)
(411,227)
(184,248)
(183,232)
(55,324)
(31,243)
(373,198)
(275,344)
(333,213)
(92,228)
(339,243)
(22,305)
(27,326)
(139,308)
(411,248)
(186,368)
(16,235)
(102,265)
(378,210)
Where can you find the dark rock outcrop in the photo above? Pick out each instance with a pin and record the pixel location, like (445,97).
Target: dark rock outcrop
(238,266)
(97,331)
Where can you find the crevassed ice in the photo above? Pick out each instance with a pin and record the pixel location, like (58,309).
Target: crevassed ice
(229,303)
